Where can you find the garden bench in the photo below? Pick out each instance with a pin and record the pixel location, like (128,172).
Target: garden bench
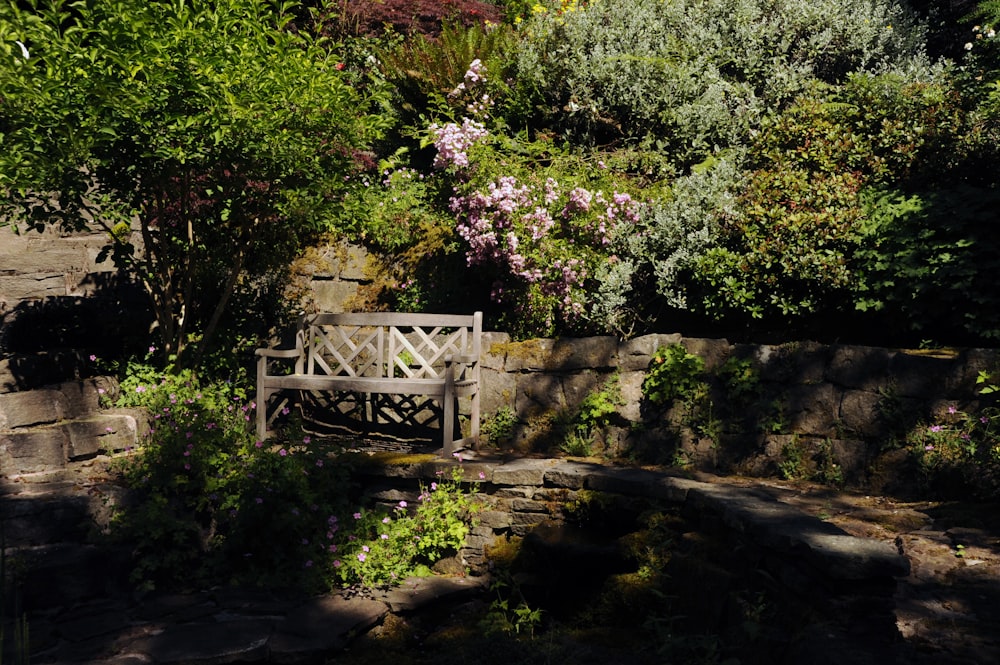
(380,353)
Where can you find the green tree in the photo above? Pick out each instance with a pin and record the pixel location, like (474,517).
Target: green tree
(207,139)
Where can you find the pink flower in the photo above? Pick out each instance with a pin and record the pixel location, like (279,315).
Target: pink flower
(337,563)
(283,452)
(361,557)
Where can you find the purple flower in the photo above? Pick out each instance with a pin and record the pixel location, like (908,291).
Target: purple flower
(357,516)
(283,452)
(402,504)
(361,557)
(384,536)
(365,548)
(386,520)
(309,563)
(336,563)
(935,428)
(306,440)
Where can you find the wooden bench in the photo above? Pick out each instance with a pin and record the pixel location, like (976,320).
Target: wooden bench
(380,353)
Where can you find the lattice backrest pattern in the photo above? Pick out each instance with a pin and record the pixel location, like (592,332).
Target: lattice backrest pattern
(419,353)
(384,345)
(344,350)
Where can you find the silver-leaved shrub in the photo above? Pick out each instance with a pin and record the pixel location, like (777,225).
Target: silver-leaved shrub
(693,76)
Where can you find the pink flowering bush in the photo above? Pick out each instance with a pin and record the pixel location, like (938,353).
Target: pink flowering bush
(382,547)
(958,455)
(541,240)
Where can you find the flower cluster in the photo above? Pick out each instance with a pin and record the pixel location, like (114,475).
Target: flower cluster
(981,33)
(543,238)
(963,446)
(453,142)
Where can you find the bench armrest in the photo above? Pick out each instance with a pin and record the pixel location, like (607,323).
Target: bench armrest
(277,353)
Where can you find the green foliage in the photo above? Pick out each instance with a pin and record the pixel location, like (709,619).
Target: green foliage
(673,374)
(690,77)
(384,548)
(429,74)
(959,455)
(797,246)
(500,426)
(930,258)
(217,135)
(740,380)
(597,410)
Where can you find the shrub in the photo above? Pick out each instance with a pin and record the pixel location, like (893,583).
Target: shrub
(930,259)
(691,77)
(381,548)
(673,374)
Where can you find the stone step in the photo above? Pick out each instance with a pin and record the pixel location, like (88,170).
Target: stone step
(52,446)
(42,405)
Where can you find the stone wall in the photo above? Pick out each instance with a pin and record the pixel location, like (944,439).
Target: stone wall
(852,401)
(731,542)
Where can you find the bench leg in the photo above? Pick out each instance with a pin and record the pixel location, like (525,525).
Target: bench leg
(448,426)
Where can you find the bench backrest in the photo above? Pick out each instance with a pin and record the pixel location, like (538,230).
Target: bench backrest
(386,344)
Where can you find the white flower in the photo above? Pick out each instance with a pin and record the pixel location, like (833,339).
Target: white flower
(968,46)
(24,49)
(991,34)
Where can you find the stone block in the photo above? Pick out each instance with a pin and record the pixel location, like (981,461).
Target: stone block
(814,409)
(538,394)
(494,353)
(497,390)
(924,376)
(630,386)
(577,386)
(628,481)
(636,354)
(33,450)
(31,520)
(522,523)
(99,434)
(528,506)
(860,413)
(529,472)
(571,475)
(33,407)
(331,295)
(793,363)
(585,353)
(525,356)
(713,351)
(859,367)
